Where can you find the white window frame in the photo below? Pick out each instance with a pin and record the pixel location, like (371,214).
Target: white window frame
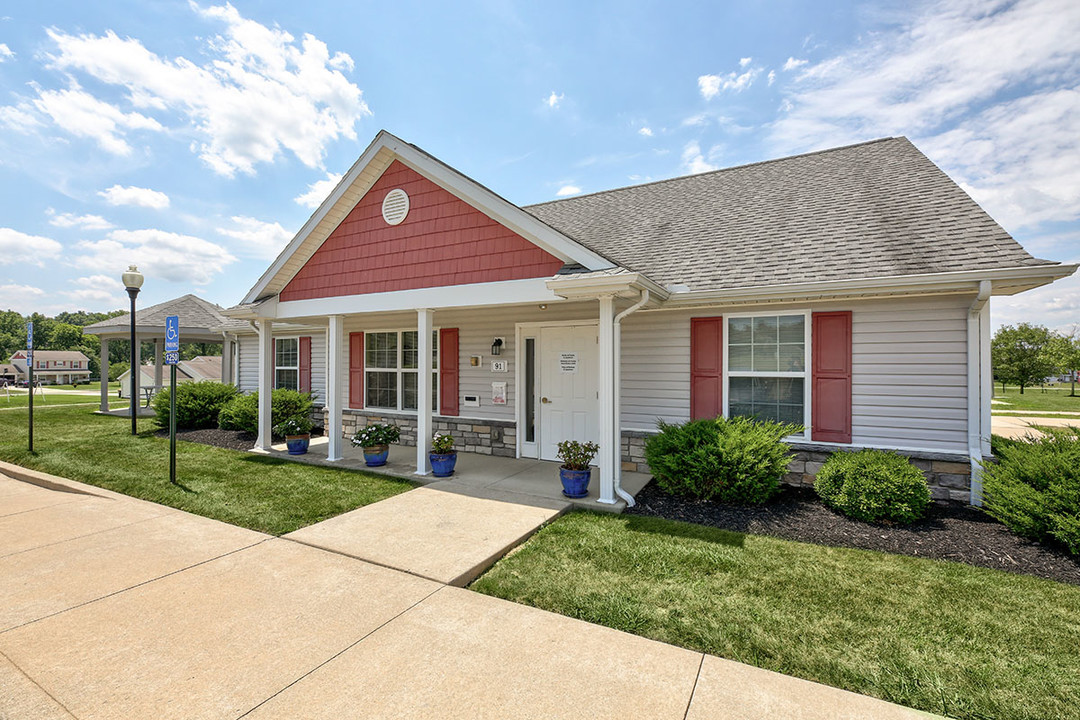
(400,371)
(806,374)
(287,367)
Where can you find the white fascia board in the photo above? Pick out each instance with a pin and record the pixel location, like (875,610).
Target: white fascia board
(927,284)
(494,206)
(505,292)
(502,211)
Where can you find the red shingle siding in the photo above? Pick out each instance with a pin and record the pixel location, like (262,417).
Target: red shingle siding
(443,241)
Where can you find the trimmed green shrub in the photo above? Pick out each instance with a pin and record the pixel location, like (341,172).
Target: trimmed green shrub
(197,404)
(242,412)
(873,486)
(1034,488)
(730,461)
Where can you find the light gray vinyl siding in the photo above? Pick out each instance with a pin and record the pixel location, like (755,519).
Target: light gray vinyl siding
(909,370)
(476,330)
(248,347)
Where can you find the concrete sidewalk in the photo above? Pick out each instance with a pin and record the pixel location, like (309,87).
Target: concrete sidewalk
(111,607)
(1017,427)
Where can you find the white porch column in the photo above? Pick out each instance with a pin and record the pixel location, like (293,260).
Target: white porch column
(266,382)
(334,355)
(157,363)
(104,364)
(226,359)
(987,379)
(609,440)
(136,374)
(423,391)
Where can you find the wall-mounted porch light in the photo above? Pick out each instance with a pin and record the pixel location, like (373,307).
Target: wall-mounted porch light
(496,346)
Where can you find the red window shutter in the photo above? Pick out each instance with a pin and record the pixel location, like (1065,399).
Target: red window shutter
(831,412)
(356,370)
(305,364)
(706,367)
(448,371)
(273,365)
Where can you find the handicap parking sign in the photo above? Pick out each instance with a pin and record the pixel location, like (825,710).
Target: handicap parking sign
(172,340)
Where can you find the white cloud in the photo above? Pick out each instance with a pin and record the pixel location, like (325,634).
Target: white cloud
(17,247)
(696,120)
(100,289)
(792,64)
(553,100)
(771,77)
(137,196)
(567,190)
(712,85)
(743,62)
(693,161)
(256,238)
(21,117)
(258,94)
(987,89)
(20,298)
(158,253)
(5,53)
(82,222)
(318,191)
(83,115)
(646,131)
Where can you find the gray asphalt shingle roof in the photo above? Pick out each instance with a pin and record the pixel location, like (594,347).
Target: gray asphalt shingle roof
(876,209)
(193,311)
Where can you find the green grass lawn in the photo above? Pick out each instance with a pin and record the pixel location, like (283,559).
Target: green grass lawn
(21,400)
(1054,398)
(937,636)
(254,491)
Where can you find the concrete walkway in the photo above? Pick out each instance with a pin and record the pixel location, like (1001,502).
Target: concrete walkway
(112,607)
(1016,427)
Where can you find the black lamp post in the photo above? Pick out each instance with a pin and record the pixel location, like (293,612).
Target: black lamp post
(133,280)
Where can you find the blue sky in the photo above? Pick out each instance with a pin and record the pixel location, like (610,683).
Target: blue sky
(195,138)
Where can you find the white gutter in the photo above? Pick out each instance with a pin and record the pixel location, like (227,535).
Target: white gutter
(929,283)
(617,381)
(975,386)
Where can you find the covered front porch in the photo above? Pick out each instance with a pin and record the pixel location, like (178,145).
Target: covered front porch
(517,479)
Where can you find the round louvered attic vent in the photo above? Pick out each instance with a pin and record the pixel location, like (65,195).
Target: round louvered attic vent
(395,206)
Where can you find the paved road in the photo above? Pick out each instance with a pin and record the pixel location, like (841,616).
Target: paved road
(112,607)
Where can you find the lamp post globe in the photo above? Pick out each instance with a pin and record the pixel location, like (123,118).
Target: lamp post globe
(133,280)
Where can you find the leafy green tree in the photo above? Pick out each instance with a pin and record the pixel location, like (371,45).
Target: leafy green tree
(1063,351)
(1019,355)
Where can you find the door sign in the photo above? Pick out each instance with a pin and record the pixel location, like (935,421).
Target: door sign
(568,363)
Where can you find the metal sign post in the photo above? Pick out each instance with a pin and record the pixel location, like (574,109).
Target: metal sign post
(30,379)
(172,356)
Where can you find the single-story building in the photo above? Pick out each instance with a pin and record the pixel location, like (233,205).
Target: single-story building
(54,367)
(845,290)
(197,369)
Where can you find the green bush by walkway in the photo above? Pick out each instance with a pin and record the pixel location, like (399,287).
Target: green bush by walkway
(731,461)
(242,411)
(1034,488)
(246,489)
(873,486)
(938,636)
(197,404)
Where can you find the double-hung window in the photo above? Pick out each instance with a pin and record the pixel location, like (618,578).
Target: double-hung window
(767,357)
(287,363)
(391,369)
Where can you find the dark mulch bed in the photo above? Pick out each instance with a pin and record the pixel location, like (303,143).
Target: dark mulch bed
(948,532)
(230,439)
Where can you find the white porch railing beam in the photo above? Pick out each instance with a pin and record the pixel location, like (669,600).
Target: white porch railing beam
(104,363)
(609,436)
(158,363)
(266,382)
(334,354)
(423,391)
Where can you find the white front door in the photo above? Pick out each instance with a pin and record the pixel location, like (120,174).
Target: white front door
(568,387)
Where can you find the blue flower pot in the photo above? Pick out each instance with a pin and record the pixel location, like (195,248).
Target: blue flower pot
(376,455)
(575,483)
(442,464)
(297,444)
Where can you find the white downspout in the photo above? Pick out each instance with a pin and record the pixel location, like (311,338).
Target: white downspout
(975,363)
(617,360)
